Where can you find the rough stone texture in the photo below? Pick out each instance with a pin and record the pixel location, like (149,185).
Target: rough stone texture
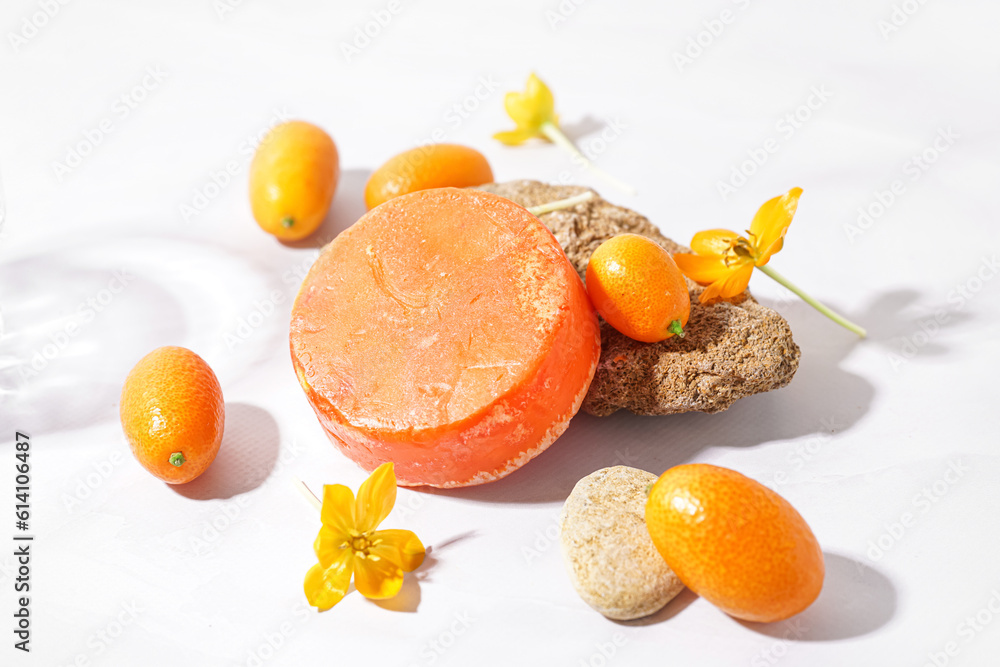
(611,559)
(733,348)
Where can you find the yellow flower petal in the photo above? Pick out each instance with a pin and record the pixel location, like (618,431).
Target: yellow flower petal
(516,137)
(730,286)
(521,110)
(376,497)
(337,512)
(532,107)
(329,544)
(713,242)
(326,586)
(529,110)
(541,98)
(771,223)
(376,575)
(408,546)
(703,270)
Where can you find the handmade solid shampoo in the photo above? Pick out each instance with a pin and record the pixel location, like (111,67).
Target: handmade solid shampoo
(445,331)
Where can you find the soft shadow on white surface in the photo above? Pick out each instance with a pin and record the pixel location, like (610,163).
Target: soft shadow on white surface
(408,598)
(84,308)
(249,452)
(894,316)
(406,601)
(890,318)
(348,205)
(676,606)
(70,335)
(423,573)
(452,540)
(856,600)
(820,396)
(579,129)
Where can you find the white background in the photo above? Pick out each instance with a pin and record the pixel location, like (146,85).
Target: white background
(128,570)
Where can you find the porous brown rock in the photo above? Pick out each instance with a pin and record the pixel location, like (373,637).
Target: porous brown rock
(611,559)
(732,348)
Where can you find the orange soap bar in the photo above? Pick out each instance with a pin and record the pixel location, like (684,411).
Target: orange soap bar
(447,332)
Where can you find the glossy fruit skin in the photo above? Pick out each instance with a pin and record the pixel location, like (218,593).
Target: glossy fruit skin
(293,176)
(172,402)
(637,288)
(735,542)
(426,167)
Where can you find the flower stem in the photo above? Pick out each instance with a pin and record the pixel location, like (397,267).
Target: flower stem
(839,319)
(556,136)
(560,203)
(306,493)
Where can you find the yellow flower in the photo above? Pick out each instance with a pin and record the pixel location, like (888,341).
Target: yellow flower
(534,114)
(348,543)
(723,260)
(530,111)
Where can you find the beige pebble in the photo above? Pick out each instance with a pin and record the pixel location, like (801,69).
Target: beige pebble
(610,557)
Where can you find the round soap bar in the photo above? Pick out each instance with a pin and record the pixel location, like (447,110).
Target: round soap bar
(447,332)
(611,559)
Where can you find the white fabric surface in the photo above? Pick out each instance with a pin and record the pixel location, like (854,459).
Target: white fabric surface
(129,571)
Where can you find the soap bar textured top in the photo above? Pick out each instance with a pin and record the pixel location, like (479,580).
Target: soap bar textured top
(445,331)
